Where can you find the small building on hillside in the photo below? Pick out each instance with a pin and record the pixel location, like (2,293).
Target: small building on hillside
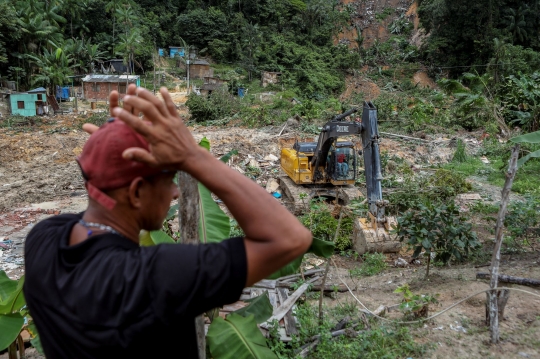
(199,69)
(214,80)
(268,78)
(98,87)
(212,84)
(29,103)
(207,89)
(176,50)
(117,66)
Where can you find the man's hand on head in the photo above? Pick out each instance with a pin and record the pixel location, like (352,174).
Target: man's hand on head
(171,143)
(114,98)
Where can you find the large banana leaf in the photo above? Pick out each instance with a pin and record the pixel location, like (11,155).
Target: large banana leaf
(214,224)
(522,160)
(36,341)
(10,327)
(173,211)
(322,248)
(290,268)
(260,307)
(7,286)
(533,137)
(237,337)
(318,247)
(15,300)
(147,239)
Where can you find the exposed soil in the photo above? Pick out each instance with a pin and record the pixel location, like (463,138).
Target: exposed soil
(364,18)
(460,332)
(422,79)
(359,85)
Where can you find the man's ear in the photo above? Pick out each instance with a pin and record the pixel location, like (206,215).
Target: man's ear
(134,192)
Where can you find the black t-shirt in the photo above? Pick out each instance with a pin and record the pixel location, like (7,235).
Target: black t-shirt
(109,298)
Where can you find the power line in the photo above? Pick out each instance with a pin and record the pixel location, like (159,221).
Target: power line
(350,68)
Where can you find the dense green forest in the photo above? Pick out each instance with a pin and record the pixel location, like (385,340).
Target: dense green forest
(42,42)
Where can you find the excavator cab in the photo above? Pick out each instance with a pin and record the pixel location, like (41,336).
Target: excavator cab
(341,163)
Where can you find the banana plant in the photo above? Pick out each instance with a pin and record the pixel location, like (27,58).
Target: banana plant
(533,138)
(14,317)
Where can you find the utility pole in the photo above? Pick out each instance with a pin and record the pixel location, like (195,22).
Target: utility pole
(187,65)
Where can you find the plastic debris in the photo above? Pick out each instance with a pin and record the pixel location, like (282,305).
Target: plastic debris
(400,262)
(271,158)
(276,194)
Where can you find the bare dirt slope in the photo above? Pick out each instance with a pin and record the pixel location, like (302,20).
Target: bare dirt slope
(366,18)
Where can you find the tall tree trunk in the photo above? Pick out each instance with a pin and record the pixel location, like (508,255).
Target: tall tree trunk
(188,216)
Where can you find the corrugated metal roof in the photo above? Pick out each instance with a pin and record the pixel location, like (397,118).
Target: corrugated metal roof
(200,62)
(212,87)
(39,89)
(109,78)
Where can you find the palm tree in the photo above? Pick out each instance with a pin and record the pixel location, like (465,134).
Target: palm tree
(54,68)
(517,25)
(112,7)
(129,46)
(93,55)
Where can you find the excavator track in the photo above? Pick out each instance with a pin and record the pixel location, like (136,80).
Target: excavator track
(297,204)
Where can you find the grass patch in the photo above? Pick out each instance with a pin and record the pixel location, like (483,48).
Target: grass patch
(380,341)
(527,180)
(470,167)
(374,263)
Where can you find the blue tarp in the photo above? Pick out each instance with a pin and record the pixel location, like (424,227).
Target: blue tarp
(241,92)
(62,93)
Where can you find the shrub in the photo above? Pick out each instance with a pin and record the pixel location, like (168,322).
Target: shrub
(522,221)
(323,225)
(216,106)
(437,229)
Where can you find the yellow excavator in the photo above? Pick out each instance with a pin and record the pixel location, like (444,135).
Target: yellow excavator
(329,168)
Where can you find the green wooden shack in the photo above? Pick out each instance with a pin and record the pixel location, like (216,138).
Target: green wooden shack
(29,103)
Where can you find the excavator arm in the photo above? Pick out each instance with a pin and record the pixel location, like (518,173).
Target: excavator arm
(372,162)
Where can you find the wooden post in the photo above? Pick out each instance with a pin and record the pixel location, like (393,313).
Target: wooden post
(188,217)
(321,317)
(496,258)
(502,299)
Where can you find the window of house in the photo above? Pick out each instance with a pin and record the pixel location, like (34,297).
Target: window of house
(122,88)
(95,87)
(20,105)
(39,97)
